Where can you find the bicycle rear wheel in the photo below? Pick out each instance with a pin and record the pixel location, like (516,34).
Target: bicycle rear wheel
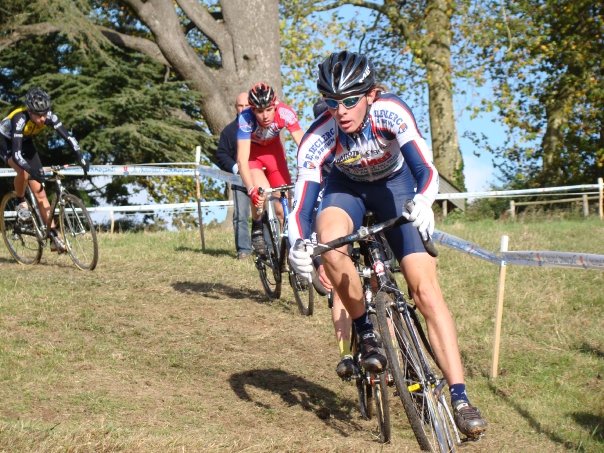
(418,388)
(379,385)
(379,390)
(268,264)
(20,237)
(364,391)
(78,232)
(304,293)
(303,290)
(372,390)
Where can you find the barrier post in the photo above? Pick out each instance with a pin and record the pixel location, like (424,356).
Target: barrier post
(198,193)
(513,209)
(601,197)
(585,205)
(499,310)
(112,217)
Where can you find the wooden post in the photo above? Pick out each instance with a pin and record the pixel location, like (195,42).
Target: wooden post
(198,193)
(499,310)
(445,208)
(601,197)
(585,205)
(112,217)
(513,209)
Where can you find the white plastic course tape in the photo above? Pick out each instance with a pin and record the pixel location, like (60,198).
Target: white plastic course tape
(465,246)
(523,258)
(161,207)
(143,170)
(554,259)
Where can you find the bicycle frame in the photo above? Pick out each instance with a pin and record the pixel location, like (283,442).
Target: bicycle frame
(278,229)
(43,228)
(276,257)
(418,387)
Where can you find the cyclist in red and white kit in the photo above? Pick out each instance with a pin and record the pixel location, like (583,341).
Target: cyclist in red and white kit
(379,161)
(260,153)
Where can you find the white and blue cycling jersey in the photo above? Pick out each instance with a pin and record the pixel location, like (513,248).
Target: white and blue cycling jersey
(388,147)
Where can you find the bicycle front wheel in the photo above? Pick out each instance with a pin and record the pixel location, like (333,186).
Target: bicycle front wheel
(268,264)
(418,388)
(20,236)
(78,232)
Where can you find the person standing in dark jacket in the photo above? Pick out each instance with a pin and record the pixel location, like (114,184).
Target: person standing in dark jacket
(227,161)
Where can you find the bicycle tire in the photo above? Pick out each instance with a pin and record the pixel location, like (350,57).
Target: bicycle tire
(426,411)
(319,288)
(304,293)
(20,238)
(421,369)
(79,233)
(363,388)
(268,265)
(303,290)
(379,391)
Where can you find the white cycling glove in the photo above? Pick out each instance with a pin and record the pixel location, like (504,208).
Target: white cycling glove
(300,258)
(422,215)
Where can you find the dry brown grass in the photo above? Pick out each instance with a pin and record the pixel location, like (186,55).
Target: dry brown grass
(164,348)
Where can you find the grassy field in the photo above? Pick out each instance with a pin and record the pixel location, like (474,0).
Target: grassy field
(164,348)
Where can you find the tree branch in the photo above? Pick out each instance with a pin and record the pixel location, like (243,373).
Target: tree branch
(204,21)
(337,3)
(145,46)
(26,31)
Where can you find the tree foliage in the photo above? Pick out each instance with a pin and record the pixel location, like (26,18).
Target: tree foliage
(545,60)
(405,39)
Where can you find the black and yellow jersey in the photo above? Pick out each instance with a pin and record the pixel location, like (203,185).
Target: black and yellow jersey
(18,126)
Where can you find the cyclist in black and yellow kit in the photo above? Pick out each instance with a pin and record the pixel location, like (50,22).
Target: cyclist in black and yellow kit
(18,151)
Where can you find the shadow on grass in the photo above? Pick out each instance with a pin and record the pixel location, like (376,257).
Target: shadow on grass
(218,290)
(294,390)
(207,251)
(587,348)
(592,423)
(580,418)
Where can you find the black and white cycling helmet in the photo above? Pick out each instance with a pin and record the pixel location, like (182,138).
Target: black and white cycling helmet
(345,74)
(261,96)
(37,100)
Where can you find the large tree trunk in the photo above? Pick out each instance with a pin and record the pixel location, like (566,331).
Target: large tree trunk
(557,108)
(248,47)
(445,145)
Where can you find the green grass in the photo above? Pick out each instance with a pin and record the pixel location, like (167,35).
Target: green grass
(165,348)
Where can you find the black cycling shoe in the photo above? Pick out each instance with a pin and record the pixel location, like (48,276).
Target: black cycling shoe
(346,368)
(468,419)
(373,358)
(258,243)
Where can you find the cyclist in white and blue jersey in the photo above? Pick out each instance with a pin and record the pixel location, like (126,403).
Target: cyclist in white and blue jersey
(380,160)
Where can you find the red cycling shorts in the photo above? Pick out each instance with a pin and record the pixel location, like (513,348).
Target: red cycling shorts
(272,159)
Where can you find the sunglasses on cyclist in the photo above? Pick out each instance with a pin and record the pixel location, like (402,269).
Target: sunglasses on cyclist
(348,102)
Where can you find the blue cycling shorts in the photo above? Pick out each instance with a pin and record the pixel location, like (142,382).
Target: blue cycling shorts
(385,198)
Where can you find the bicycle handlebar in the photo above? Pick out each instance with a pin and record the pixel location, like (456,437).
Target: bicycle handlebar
(365,231)
(271,190)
